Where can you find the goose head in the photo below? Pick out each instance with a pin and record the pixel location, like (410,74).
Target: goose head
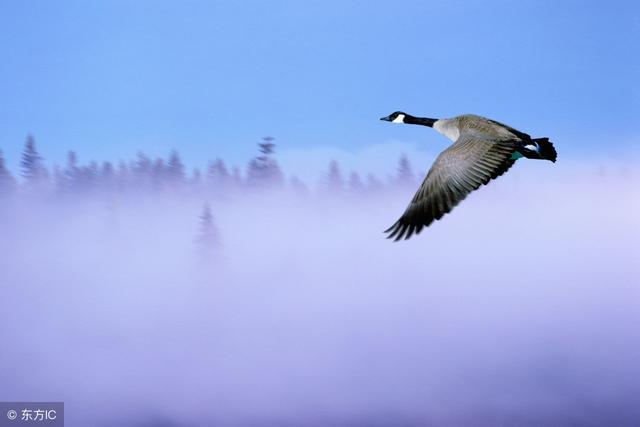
(395,117)
(402,117)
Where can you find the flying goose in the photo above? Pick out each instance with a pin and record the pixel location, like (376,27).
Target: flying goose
(482,149)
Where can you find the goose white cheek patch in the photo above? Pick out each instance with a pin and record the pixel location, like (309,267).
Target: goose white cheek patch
(399,119)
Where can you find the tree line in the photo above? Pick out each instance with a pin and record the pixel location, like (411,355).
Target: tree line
(144,174)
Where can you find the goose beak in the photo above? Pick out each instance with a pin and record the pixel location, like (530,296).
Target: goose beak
(386,119)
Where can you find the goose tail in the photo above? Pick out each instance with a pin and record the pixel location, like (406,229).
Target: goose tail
(546,149)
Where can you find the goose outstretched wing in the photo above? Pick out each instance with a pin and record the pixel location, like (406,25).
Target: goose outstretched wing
(463,167)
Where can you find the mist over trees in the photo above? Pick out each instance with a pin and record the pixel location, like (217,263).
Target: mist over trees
(335,182)
(264,169)
(175,296)
(405,175)
(208,242)
(128,183)
(145,175)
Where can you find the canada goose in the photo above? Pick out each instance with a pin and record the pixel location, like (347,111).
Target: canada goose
(482,149)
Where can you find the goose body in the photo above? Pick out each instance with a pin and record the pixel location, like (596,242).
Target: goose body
(482,150)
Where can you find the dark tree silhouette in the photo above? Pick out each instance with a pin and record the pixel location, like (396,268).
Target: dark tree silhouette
(264,169)
(405,175)
(75,178)
(7,181)
(335,182)
(142,171)
(218,177)
(217,169)
(89,176)
(175,169)
(142,175)
(33,170)
(69,179)
(267,147)
(107,176)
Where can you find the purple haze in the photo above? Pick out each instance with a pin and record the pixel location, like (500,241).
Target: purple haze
(521,308)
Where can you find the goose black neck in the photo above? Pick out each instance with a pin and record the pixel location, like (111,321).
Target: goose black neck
(424,121)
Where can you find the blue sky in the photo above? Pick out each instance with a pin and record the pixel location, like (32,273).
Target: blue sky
(108,78)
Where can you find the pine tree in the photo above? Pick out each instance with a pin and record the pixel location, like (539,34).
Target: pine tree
(70,179)
(142,171)
(217,169)
(7,181)
(175,169)
(267,147)
(264,169)
(208,238)
(335,182)
(89,176)
(33,170)
(405,176)
(218,175)
(107,176)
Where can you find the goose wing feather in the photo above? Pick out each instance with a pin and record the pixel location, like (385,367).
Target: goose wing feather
(460,169)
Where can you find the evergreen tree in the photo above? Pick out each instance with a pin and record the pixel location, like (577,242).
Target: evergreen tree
(217,169)
(33,170)
(7,181)
(335,182)
(208,238)
(142,171)
(264,169)
(405,176)
(88,176)
(175,168)
(267,147)
(218,175)
(107,176)
(70,179)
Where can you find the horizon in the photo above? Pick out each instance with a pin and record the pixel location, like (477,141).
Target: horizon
(311,165)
